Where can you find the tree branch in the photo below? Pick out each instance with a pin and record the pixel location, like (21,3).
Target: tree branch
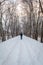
(40,6)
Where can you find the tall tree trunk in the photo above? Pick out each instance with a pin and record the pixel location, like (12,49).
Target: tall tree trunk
(30,25)
(3,36)
(40,5)
(36,35)
(42,33)
(0,21)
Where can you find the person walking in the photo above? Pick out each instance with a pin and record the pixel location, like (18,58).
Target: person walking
(21,35)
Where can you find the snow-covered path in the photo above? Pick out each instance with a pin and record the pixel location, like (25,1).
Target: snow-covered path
(21,52)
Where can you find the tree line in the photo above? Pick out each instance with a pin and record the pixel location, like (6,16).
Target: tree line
(31,25)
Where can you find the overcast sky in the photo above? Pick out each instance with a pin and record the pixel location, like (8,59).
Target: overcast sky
(13,0)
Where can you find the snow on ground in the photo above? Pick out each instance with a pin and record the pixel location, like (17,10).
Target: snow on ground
(21,52)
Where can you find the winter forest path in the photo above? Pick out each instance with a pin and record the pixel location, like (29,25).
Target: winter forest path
(21,52)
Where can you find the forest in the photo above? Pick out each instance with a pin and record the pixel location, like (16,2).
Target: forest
(24,16)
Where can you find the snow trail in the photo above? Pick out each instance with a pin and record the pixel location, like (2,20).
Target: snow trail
(21,52)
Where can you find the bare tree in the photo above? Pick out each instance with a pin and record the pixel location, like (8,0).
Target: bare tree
(1,29)
(41,21)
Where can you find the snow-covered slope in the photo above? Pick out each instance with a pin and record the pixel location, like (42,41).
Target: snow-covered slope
(21,52)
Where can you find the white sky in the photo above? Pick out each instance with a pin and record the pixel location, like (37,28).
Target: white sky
(13,0)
